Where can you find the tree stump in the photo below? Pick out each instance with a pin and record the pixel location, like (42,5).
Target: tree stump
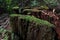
(27,27)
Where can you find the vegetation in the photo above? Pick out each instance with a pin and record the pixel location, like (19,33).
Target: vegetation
(27,26)
(32,18)
(5,34)
(14,9)
(8,5)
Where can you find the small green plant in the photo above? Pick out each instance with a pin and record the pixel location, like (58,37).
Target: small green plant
(51,3)
(4,33)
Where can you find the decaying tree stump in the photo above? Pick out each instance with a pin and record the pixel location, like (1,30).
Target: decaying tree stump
(27,27)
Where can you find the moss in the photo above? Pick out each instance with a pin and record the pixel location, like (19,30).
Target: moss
(13,15)
(36,20)
(33,19)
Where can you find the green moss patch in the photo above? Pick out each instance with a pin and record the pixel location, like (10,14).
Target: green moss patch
(33,19)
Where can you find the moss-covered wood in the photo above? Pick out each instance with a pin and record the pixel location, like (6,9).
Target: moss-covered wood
(27,27)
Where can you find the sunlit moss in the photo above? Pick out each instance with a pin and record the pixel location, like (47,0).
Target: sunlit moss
(16,7)
(36,20)
(33,19)
(13,15)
